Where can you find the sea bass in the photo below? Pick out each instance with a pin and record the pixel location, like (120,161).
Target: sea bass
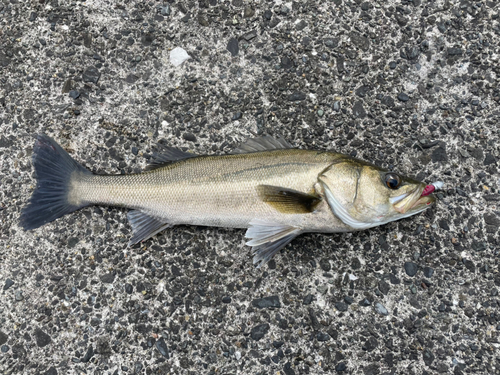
(274,190)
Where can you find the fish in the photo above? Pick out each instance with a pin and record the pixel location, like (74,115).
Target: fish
(275,191)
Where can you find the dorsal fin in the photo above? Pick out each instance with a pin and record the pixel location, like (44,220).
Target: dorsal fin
(265,143)
(167,155)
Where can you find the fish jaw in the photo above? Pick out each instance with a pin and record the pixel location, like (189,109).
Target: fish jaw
(413,202)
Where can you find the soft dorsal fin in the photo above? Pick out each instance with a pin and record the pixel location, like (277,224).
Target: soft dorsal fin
(144,226)
(268,238)
(265,143)
(287,201)
(167,155)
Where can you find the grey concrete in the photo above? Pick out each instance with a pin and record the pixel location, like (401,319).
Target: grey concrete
(409,85)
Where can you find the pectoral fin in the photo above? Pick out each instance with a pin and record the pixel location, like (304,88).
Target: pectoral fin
(268,238)
(288,201)
(144,226)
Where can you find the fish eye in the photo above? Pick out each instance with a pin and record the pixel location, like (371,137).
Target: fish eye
(392,180)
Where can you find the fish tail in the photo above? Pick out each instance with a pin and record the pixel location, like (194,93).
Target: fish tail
(56,172)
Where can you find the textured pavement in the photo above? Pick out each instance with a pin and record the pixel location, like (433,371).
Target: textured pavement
(410,85)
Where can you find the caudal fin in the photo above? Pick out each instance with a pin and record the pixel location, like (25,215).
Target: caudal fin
(54,169)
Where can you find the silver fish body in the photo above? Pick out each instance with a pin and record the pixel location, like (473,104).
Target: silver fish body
(275,191)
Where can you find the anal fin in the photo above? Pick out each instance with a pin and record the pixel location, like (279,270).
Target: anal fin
(268,238)
(144,226)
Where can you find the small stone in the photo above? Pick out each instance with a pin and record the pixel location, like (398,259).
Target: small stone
(341,306)
(321,112)
(266,302)
(233,46)
(411,268)
(428,272)
(51,371)
(236,116)
(381,309)
(358,111)
(18,295)
(107,278)
(349,300)
(297,96)
(321,336)
(165,10)
(439,154)
(370,344)
(248,12)
(88,355)
(259,331)
(237,355)
(42,339)
(189,137)
(341,367)
(489,159)
(129,288)
(365,302)
(3,338)
(331,42)
(308,299)
(384,287)
(74,94)
(278,344)
(161,346)
(8,284)
(403,97)
(5,348)
(226,299)
(393,65)
(91,74)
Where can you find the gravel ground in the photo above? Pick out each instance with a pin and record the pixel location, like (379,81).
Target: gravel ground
(410,85)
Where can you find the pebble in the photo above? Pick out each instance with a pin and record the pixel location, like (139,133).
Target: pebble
(18,295)
(226,299)
(267,302)
(379,308)
(233,47)
(107,278)
(161,346)
(42,339)
(8,284)
(297,96)
(365,302)
(237,355)
(165,10)
(341,367)
(403,97)
(259,331)
(74,94)
(428,272)
(341,306)
(321,112)
(91,74)
(308,299)
(322,336)
(189,137)
(411,269)
(4,348)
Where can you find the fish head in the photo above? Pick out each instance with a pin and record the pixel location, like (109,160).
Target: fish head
(363,195)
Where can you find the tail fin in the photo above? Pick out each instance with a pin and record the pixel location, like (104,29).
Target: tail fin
(54,168)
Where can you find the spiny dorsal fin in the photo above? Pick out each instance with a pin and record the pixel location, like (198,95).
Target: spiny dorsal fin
(144,226)
(268,238)
(265,143)
(167,155)
(287,201)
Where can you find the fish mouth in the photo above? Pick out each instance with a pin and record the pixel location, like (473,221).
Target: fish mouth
(413,201)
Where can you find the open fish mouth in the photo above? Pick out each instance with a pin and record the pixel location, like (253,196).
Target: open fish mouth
(417,200)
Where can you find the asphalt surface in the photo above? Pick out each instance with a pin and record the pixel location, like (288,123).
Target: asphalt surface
(408,85)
